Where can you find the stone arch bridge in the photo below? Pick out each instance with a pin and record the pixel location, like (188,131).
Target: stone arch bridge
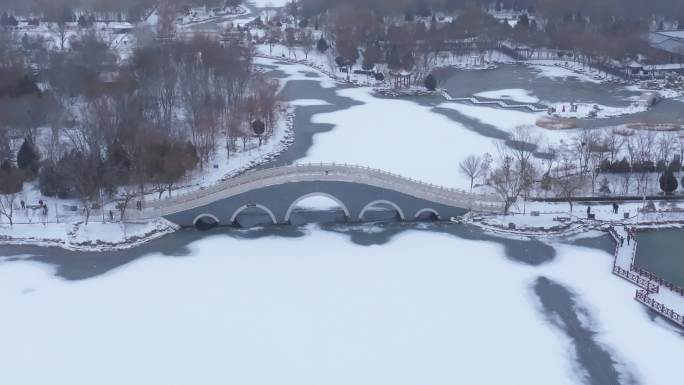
(276,191)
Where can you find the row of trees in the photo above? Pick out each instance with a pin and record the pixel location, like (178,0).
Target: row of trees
(407,33)
(591,162)
(110,130)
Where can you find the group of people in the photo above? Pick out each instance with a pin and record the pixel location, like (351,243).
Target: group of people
(616,209)
(631,235)
(41,206)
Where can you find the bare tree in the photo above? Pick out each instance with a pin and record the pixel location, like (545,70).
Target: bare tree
(307,41)
(273,37)
(62,33)
(471,167)
(125,195)
(567,187)
(291,41)
(506,180)
(523,143)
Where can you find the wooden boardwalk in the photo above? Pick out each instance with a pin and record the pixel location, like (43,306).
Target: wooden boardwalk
(663,297)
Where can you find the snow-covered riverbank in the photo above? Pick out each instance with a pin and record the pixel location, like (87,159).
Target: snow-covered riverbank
(96,236)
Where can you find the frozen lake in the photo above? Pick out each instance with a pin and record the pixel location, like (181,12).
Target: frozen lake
(368,304)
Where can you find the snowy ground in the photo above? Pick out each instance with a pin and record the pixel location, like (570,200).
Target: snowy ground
(319,309)
(98,235)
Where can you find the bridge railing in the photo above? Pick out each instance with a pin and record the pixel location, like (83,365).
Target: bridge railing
(330,171)
(643,297)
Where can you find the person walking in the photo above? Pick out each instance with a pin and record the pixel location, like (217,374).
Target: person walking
(23,205)
(622,241)
(111,215)
(588,212)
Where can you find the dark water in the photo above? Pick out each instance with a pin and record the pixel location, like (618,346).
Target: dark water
(662,252)
(563,309)
(72,265)
(460,83)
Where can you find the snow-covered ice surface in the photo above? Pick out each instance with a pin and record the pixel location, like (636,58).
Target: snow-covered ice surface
(507,120)
(398,136)
(513,94)
(620,322)
(267,3)
(423,308)
(294,71)
(308,103)
(554,71)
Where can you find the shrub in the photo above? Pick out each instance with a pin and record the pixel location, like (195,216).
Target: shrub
(668,182)
(431,82)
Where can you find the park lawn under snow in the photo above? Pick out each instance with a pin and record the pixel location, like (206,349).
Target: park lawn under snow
(318,309)
(398,136)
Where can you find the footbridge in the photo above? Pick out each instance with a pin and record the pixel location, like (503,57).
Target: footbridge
(357,189)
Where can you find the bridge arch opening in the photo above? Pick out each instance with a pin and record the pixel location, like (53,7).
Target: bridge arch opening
(427,215)
(377,210)
(319,206)
(253,214)
(205,222)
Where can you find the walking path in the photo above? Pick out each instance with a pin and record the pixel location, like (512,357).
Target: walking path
(663,297)
(536,107)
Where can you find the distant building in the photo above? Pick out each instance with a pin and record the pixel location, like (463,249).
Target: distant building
(669,45)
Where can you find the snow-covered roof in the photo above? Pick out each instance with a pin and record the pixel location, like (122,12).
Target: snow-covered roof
(664,67)
(670,41)
(679,34)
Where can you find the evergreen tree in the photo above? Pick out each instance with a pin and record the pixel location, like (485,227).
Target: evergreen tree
(259,128)
(28,158)
(431,82)
(668,182)
(546,183)
(322,45)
